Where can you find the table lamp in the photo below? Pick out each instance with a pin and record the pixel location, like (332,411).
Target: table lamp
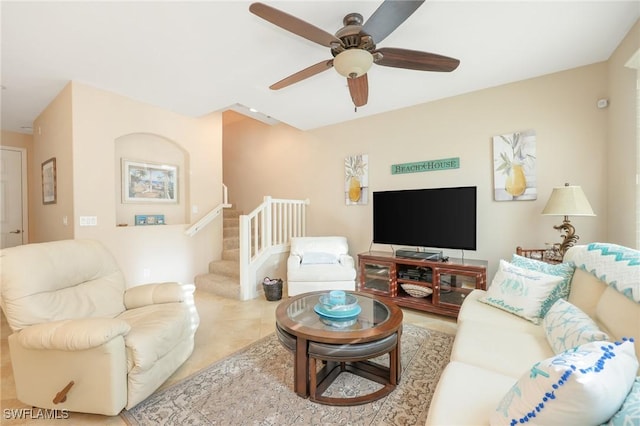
(567,200)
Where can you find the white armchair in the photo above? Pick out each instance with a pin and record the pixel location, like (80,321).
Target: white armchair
(83,342)
(319,263)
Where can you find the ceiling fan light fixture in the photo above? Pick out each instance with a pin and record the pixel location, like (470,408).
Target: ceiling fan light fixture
(352,63)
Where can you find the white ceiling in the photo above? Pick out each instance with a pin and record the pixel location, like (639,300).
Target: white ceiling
(203,56)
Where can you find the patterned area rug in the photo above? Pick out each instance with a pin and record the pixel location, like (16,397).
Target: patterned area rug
(255,387)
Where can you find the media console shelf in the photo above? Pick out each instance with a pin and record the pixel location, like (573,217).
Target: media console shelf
(384,273)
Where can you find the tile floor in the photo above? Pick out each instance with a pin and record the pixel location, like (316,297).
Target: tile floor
(225,327)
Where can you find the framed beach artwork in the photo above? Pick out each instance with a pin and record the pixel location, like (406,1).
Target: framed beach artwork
(356,180)
(514,166)
(144,182)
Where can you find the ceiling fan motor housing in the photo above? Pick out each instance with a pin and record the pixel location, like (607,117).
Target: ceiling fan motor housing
(351,36)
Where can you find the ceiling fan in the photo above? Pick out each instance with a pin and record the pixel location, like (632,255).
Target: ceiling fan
(353,47)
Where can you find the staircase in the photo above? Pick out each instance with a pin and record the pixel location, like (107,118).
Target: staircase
(223,278)
(248,242)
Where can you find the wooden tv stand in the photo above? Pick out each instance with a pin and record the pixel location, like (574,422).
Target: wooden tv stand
(384,273)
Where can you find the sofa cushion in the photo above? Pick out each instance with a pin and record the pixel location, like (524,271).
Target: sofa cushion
(585,385)
(585,292)
(318,258)
(73,335)
(326,272)
(520,291)
(155,330)
(566,327)
(564,270)
(508,352)
(466,395)
(473,310)
(619,316)
(336,245)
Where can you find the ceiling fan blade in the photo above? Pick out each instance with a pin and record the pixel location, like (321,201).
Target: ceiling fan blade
(416,60)
(359,90)
(388,16)
(293,24)
(301,75)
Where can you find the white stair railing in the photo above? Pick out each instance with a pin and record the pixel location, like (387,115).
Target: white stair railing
(265,231)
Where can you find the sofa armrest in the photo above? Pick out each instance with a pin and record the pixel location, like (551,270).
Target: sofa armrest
(151,294)
(346,261)
(293,262)
(73,335)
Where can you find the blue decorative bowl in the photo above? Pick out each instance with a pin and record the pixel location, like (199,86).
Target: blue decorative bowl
(345,316)
(350,304)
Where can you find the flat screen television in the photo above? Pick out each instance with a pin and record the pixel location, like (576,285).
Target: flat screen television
(434,217)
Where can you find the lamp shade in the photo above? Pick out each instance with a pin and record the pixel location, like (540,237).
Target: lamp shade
(353,63)
(568,200)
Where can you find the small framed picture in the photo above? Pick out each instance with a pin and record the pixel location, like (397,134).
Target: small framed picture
(49,185)
(144,182)
(149,219)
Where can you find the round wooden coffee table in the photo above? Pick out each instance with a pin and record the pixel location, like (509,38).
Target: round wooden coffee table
(376,332)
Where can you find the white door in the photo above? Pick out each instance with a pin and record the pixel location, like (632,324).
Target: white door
(12,196)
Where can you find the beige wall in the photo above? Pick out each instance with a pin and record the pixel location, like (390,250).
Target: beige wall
(571,147)
(16,140)
(53,138)
(623,142)
(83,125)
(20,140)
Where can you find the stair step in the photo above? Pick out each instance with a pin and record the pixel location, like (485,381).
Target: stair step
(230,231)
(232,254)
(219,285)
(233,222)
(231,213)
(229,243)
(228,268)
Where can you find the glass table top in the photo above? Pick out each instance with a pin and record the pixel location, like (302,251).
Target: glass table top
(303,312)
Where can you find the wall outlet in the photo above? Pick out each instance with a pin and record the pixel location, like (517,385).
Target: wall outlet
(88,220)
(146,273)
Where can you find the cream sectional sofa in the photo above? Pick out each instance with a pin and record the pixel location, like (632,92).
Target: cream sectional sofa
(494,348)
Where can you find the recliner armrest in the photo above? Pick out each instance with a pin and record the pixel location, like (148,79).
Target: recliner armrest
(72,335)
(293,262)
(150,294)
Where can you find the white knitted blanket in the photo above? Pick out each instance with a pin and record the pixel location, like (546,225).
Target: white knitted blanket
(615,265)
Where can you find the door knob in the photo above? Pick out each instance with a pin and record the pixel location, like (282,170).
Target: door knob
(17,231)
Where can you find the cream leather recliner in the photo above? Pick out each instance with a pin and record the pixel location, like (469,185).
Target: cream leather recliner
(319,263)
(81,340)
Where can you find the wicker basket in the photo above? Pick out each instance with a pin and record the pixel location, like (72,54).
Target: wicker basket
(273,290)
(416,290)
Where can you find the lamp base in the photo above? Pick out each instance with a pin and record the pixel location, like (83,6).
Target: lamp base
(570,237)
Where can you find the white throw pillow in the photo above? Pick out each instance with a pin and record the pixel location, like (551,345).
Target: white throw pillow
(566,327)
(318,258)
(582,386)
(520,291)
(629,413)
(564,270)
